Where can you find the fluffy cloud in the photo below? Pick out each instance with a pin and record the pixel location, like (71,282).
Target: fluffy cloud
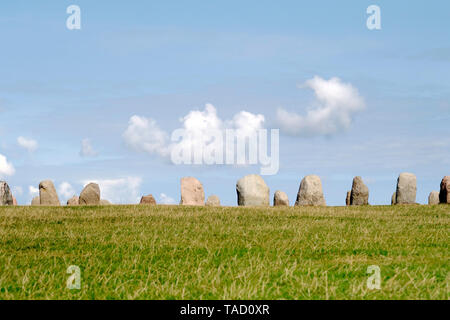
(6,168)
(29,144)
(66,190)
(86,149)
(33,191)
(165,199)
(119,191)
(336,103)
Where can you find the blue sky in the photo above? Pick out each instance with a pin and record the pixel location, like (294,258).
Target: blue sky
(162,60)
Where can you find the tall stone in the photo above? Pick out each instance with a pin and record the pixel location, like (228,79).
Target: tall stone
(347,198)
(90,196)
(6,197)
(36,201)
(148,200)
(213,201)
(192,193)
(444,195)
(252,191)
(74,201)
(47,194)
(310,192)
(394,198)
(406,189)
(280,198)
(14,201)
(433,198)
(360,193)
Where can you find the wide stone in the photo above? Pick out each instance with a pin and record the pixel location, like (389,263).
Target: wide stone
(104,202)
(14,201)
(6,197)
(433,198)
(148,200)
(47,194)
(310,192)
(90,196)
(74,201)
(252,191)
(406,189)
(36,201)
(192,193)
(393,198)
(213,201)
(280,198)
(444,195)
(347,198)
(360,193)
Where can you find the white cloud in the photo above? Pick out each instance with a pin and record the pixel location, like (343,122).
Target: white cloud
(165,199)
(86,149)
(120,191)
(33,191)
(336,103)
(6,168)
(29,144)
(66,190)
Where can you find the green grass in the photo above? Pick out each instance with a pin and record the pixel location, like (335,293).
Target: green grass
(172,252)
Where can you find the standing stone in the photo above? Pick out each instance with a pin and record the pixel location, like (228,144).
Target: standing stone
(310,192)
(347,199)
(252,191)
(433,198)
(213,201)
(280,198)
(6,197)
(394,198)
(360,193)
(104,202)
(406,189)
(148,199)
(74,201)
(36,201)
(192,193)
(47,194)
(90,196)
(14,201)
(444,195)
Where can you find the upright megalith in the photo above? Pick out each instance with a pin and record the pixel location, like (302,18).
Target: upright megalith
(360,193)
(14,201)
(394,198)
(406,189)
(252,190)
(310,192)
(347,198)
(433,198)
(6,197)
(74,201)
(192,193)
(36,201)
(444,195)
(148,200)
(90,196)
(213,201)
(47,194)
(280,198)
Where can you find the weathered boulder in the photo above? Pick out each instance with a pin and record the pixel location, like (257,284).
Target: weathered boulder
(360,193)
(192,193)
(252,191)
(90,196)
(148,200)
(213,201)
(47,194)
(6,197)
(393,198)
(74,201)
(36,201)
(280,198)
(444,195)
(310,192)
(406,189)
(104,202)
(433,198)
(347,198)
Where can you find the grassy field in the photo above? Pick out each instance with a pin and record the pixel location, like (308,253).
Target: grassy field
(172,252)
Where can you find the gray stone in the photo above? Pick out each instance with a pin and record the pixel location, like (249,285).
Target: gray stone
(252,191)
(90,196)
(192,193)
(310,192)
(444,195)
(74,201)
(213,201)
(6,197)
(280,198)
(47,194)
(104,202)
(347,198)
(360,193)
(433,198)
(148,200)
(393,198)
(406,189)
(36,201)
